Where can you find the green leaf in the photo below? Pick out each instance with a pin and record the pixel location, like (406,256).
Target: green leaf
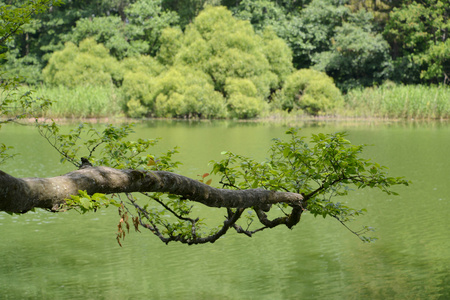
(85,203)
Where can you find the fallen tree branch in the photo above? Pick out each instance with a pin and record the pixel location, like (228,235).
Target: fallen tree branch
(20,195)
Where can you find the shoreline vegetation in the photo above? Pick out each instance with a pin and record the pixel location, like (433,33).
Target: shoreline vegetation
(388,101)
(399,102)
(229,62)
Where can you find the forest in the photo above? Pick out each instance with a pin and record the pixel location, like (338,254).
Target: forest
(235,59)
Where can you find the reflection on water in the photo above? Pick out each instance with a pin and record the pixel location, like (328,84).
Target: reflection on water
(67,256)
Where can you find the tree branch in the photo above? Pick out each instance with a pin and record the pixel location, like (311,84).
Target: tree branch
(20,195)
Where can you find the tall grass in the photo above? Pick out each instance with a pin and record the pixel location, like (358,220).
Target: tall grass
(386,101)
(399,101)
(81,101)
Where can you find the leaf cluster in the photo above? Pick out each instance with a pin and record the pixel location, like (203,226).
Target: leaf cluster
(111,147)
(107,147)
(84,203)
(327,167)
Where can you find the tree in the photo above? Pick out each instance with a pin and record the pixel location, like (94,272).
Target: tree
(188,9)
(238,69)
(147,20)
(126,28)
(358,55)
(134,31)
(15,19)
(326,35)
(44,34)
(283,18)
(310,90)
(225,47)
(88,64)
(317,22)
(417,32)
(108,31)
(437,61)
(306,26)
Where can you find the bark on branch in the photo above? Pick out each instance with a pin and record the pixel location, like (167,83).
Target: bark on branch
(19,195)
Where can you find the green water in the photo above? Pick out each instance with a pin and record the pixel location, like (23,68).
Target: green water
(69,256)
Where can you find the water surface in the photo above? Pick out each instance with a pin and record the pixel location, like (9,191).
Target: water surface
(67,255)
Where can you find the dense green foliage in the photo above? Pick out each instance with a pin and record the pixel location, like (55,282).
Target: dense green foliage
(309,90)
(88,64)
(217,67)
(418,33)
(242,66)
(358,56)
(358,43)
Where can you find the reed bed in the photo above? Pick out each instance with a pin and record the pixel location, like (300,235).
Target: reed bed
(399,101)
(81,101)
(386,101)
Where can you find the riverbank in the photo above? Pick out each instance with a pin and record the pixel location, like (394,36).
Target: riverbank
(388,101)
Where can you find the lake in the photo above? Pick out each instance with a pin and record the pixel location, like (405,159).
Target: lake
(72,256)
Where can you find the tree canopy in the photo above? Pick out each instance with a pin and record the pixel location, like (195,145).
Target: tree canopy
(217,67)
(357,43)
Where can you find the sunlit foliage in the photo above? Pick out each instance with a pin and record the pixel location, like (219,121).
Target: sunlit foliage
(88,64)
(309,90)
(224,49)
